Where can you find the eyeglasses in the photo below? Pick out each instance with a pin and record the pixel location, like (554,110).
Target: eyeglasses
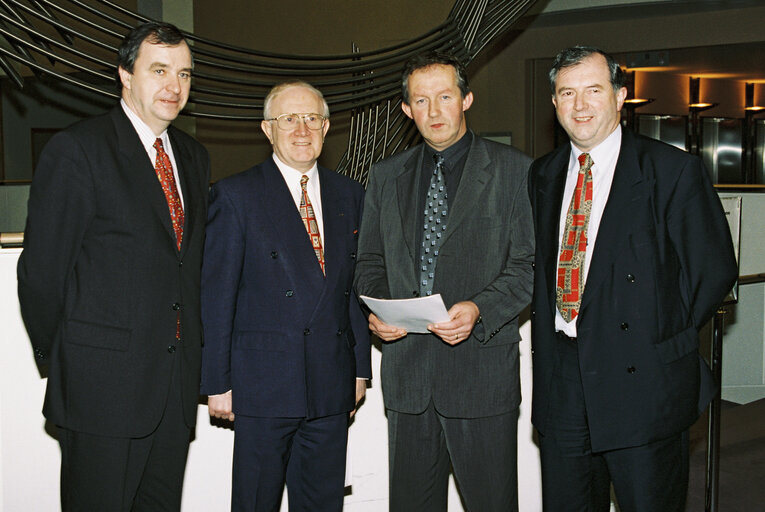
(291,121)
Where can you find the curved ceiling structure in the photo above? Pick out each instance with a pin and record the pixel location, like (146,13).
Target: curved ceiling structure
(76,41)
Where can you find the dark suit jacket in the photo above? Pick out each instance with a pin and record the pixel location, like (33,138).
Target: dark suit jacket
(101,279)
(485,257)
(663,261)
(288,341)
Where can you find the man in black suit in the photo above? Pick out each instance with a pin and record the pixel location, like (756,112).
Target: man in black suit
(451,395)
(109,284)
(286,351)
(633,256)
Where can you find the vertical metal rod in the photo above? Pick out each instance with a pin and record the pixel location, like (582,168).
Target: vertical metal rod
(713,431)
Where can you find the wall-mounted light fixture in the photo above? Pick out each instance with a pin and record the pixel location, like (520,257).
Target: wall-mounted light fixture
(631,102)
(695,106)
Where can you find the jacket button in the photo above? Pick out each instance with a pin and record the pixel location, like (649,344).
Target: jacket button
(176,306)
(274,254)
(347,293)
(533,265)
(339,332)
(630,278)
(630,369)
(289,293)
(415,293)
(353,255)
(306,332)
(624,326)
(180,263)
(171,348)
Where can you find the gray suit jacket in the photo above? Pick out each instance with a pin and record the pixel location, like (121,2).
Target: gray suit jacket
(485,256)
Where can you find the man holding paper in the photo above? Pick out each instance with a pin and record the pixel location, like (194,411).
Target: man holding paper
(449,217)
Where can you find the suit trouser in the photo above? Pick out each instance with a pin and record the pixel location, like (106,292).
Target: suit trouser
(307,454)
(482,452)
(649,477)
(111,474)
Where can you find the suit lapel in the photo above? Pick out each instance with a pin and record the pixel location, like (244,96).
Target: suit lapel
(472,183)
(288,227)
(408,190)
(551,181)
(628,192)
(138,170)
(191,199)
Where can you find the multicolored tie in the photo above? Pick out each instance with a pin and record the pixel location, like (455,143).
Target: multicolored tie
(570,287)
(434,225)
(309,221)
(164,170)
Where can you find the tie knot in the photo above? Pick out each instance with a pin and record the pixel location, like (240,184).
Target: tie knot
(303,181)
(438,158)
(158,144)
(585,160)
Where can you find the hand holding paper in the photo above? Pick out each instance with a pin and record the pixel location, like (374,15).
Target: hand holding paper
(411,315)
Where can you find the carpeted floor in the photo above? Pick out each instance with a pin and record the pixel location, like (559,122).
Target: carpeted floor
(742,459)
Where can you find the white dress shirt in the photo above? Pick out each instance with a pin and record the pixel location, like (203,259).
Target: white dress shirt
(604,158)
(148,138)
(292,179)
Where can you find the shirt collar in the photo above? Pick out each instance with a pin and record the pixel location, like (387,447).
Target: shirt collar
(292,176)
(453,152)
(142,129)
(603,155)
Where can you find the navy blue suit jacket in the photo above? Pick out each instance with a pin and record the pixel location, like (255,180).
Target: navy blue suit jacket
(287,340)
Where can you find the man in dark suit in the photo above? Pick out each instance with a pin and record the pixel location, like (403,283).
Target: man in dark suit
(286,352)
(109,284)
(633,255)
(451,395)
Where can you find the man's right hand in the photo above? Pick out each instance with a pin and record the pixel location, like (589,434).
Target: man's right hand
(384,331)
(219,406)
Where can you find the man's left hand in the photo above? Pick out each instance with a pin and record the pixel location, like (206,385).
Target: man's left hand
(463,316)
(361,390)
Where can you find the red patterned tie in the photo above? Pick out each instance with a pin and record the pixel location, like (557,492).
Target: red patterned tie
(164,170)
(570,287)
(309,220)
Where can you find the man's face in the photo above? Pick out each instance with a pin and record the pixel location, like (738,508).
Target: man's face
(585,102)
(436,105)
(158,87)
(299,147)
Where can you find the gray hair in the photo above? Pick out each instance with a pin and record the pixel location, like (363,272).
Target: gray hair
(280,88)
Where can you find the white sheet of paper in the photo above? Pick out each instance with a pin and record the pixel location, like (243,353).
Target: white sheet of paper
(414,315)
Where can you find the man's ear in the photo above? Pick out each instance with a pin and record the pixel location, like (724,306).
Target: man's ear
(407,110)
(266,127)
(125,77)
(467,101)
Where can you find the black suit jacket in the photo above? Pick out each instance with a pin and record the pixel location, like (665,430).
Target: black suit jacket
(101,280)
(485,256)
(662,262)
(286,339)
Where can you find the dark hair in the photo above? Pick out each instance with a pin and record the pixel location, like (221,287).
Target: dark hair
(432,58)
(153,32)
(576,54)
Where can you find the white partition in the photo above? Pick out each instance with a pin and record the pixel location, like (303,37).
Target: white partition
(29,455)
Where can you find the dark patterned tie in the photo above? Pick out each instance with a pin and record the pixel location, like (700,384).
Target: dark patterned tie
(309,221)
(573,248)
(164,170)
(434,225)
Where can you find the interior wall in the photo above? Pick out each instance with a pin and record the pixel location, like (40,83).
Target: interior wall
(502,79)
(302,27)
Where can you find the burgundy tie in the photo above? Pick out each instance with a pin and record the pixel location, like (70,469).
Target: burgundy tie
(570,286)
(164,170)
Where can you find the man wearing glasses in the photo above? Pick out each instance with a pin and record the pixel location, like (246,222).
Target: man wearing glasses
(286,346)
